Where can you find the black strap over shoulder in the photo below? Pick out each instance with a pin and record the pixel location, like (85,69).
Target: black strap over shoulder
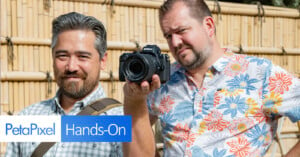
(95,108)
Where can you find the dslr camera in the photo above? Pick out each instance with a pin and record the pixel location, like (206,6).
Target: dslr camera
(140,66)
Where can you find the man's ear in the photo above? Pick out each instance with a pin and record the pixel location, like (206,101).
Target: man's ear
(209,24)
(103,62)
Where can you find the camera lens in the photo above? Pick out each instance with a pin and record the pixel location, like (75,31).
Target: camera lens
(139,67)
(135,67)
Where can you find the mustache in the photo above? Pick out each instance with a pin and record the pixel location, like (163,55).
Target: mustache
(68,74)
(180,47)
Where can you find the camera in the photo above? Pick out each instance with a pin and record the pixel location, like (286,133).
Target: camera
(140,66)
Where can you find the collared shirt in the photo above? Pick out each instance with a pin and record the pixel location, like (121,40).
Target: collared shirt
(234,113)
(66,149)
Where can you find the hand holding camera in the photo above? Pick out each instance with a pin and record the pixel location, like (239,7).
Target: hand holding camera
(141,66)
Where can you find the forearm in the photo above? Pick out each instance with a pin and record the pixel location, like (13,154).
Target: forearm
(295,151)
(143,143)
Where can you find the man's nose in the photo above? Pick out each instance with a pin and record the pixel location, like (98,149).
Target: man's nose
(72,64)
(176,40)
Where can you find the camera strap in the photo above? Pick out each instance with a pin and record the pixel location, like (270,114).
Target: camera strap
(95,108)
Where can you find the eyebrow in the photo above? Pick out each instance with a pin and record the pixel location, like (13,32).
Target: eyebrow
(76,52)
(84,53)
(60,51)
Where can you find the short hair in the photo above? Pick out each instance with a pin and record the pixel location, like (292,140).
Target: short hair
(77,21)
(198,8)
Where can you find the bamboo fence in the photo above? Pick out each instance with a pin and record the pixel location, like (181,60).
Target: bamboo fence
(25,31)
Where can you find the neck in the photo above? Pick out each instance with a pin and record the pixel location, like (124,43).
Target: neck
(198,73)
(67,103)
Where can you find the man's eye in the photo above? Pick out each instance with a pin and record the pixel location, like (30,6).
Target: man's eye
(83,56)
(181,30)
(61,56)
(168,36)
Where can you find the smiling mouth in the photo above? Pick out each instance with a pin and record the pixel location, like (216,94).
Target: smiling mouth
(75,79)
(71,77)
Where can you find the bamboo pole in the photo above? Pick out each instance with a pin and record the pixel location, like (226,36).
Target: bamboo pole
(116,45)
(66,6)
(40,19)
(4,59)
(4,96)
(32,93)
(22,54)
(226,8)
(85,8)
(47,22)
(26,93)
(244,31)
(3,18)
(56,8)
(14,17)
(34,23)
(148,26)
(90,9)
(16,97)
(25,26)
(11,97)
(29,15)
(36,57)
(42,76)
(42,59)
(278,32)
(48,58)
(125,22)
(20,20)
(159,38)
(131,3)
(136,31)
(131,24)
(251,10)
(54,89)
(21,97)
(222,32)
(42,90)
(297,34)
(115,26)
(266,50)
(9,18)
(109,24)
(37,93)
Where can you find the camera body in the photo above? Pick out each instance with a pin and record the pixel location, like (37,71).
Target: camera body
(140,66)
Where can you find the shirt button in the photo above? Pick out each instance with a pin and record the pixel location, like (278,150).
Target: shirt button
(62,145)
(94,145)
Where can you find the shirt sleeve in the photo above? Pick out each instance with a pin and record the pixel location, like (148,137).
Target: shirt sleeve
(281,93)
(117,149)
(151,103)
(12,149)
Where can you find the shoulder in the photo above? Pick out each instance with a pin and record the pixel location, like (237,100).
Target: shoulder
(38,108)
(115,111)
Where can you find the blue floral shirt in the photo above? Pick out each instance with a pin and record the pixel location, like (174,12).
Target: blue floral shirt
(233,114)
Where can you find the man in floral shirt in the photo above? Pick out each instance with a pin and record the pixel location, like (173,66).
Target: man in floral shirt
(216,103)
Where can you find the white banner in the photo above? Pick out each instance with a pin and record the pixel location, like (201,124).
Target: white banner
(30,128)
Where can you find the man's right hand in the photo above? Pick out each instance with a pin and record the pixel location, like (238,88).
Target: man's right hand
(135,104)
(135,94)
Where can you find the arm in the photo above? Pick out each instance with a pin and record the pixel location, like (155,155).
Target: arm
(12,149)
(295,151)
(135,104)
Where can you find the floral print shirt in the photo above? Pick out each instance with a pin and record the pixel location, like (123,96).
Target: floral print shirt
(233,114)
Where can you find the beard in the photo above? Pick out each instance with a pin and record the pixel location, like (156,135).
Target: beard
(197,60)
(76,89)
